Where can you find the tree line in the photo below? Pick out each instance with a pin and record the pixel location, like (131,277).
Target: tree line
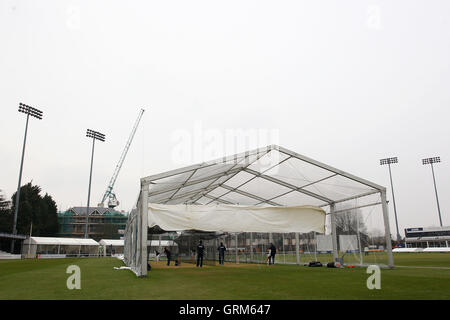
(35,211)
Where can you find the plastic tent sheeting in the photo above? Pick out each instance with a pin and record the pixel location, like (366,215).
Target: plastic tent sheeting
(236,218)
(271,175)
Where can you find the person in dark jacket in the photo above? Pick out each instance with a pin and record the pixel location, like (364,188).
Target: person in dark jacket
(222,250)
(168,255)
(273,252)
(200,250)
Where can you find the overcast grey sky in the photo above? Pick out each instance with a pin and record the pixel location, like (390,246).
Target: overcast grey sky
(343,82)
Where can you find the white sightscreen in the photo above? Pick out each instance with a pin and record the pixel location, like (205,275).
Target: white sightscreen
(348,243)
(324,243)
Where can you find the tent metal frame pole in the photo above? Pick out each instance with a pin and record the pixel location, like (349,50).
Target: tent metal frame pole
(244,183)
(236,247)
(306,185)
(143,217)
(333,231)
(297,247)
(249,195)
(357,207)
(149,179)
(329,168)
(362,195)
(214,177)
(286,184)
(387,230)
(200,194)
(251,246)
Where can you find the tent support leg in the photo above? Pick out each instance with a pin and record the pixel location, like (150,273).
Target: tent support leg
(236,247)
(333,232)
(143,217)
(387,230)
(297,247)
(251,246)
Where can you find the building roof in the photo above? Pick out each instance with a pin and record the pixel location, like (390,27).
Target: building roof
(272,175)
(81,211)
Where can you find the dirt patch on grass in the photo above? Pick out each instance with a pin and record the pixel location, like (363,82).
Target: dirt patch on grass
(185,265)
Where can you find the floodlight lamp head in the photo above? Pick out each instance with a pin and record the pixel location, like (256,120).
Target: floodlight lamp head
(389,160)
(36,113)
(95,135)
(431,160)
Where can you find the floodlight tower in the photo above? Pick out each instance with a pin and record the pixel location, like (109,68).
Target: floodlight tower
(95,135)
(431,161)
(36,113)
(390,161)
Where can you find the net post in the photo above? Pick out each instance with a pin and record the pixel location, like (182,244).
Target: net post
(251,247)
(387,230)
(333,231)
(297,247)
(143,218)
(236,247)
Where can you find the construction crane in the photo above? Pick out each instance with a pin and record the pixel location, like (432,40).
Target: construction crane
(113,202)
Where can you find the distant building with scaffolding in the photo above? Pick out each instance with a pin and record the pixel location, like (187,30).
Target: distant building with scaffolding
(103,223)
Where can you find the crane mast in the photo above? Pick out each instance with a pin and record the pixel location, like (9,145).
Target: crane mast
(113,202)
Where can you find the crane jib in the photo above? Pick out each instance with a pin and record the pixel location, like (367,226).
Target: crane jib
(109,189)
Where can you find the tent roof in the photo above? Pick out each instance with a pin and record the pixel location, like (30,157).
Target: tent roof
(62,241)
(272,175)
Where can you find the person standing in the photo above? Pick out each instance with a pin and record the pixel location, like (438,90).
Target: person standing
(168,255)
(200,250)
(222,250)
(273,252)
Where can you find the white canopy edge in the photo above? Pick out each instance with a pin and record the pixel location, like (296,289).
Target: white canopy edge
(61,241)
(150,243)
(111,242)
(237,218)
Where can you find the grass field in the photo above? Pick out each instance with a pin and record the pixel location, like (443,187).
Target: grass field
(417,276)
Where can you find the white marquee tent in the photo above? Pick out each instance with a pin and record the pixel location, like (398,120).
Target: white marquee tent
(271,189)
(51,247)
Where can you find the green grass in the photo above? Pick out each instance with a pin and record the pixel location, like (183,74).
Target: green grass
(46,279)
